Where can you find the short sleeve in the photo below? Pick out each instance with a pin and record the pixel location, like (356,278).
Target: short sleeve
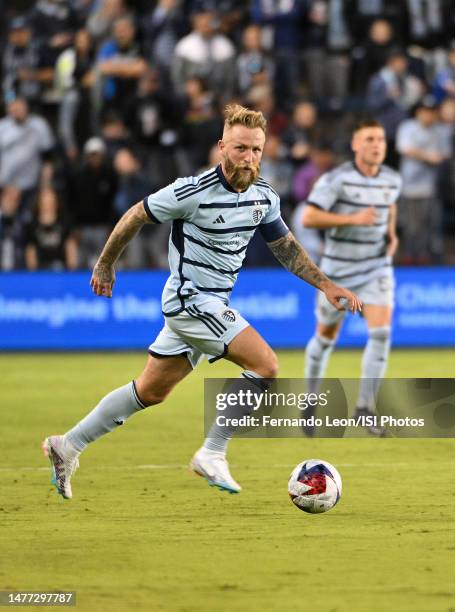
(324,193)
(272,226)
(46,138)
(163,205)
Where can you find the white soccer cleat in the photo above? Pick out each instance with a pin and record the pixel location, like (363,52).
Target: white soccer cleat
(212,465)
(64,462)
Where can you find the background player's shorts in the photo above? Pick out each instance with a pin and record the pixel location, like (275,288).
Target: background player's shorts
(378,291)
(205,327)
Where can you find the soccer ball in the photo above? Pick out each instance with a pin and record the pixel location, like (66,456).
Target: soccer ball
(314,486)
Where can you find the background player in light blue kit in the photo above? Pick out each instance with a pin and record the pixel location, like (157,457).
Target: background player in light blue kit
(214,216)
(356,206)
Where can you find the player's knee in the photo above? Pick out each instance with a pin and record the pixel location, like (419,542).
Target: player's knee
(151,397)
(269,368)
(380,333)
(328,332)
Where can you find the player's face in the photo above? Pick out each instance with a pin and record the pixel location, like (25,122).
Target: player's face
(369,146)
(241,152)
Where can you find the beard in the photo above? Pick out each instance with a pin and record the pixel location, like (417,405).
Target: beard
(240,177)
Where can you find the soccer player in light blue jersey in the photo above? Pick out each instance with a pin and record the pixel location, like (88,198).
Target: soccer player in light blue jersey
(356,206)
(214,216)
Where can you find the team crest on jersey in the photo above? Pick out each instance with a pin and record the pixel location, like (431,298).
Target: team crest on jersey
(257,213)
(228,315)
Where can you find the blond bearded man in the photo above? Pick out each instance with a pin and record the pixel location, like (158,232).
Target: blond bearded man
(214,216)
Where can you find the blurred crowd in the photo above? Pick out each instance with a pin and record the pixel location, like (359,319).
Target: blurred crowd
(106,101)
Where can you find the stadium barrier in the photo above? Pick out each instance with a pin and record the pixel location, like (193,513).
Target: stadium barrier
(57,311)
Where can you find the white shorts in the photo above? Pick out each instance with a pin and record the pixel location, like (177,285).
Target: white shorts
(205,327)
(378,291)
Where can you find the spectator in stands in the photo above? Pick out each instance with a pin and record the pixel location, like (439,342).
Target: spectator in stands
(254,65)
(213,159)
(100,22)
(26,143)
(132,184)
(50,243)
(11,230)
(21,63)
(371,54)
(205,53)
(422,149)
(366,11)
(154,118)
(91,194)
(74,77)
(446,174)
(54,23)
(233,16)
(391,93)
(202,122)
(261,98)
(283,22)
(444,83)
(162,27)
(327,41)
(427,24)
(301,132)
(118,67)
(149,248)
(320,161)
(277,170)
(115,134)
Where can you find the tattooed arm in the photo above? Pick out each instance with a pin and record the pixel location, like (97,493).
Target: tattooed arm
(103,277)
(294,258)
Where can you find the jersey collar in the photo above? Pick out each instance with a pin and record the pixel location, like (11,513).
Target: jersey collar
(364,175)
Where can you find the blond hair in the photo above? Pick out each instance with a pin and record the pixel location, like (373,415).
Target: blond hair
(234,114)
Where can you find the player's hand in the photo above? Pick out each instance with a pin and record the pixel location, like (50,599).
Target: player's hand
(368,216)
(341,298)
(434,158)
(103,279)
(392,244)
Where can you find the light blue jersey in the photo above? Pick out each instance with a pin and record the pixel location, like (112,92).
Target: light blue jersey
(211,227)
(356,254)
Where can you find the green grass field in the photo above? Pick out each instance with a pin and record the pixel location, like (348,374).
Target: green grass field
(143,534)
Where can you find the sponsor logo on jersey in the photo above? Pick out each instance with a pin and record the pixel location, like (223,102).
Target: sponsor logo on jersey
(228,315)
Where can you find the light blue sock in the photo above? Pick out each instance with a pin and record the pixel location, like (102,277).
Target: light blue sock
(374,365)
(112,411)
(218,437)
(317,353)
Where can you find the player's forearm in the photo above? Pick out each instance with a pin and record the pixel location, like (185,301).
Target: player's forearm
(122,234)
(294,258)
(321,219)
(392,221)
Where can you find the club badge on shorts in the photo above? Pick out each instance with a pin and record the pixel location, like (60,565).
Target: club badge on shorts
(228,315)
(257,213)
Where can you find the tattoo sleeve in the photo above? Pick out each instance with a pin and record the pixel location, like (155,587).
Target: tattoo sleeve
(294,258)
(121,235)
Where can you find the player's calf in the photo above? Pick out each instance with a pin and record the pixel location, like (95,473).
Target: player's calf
(374,365)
